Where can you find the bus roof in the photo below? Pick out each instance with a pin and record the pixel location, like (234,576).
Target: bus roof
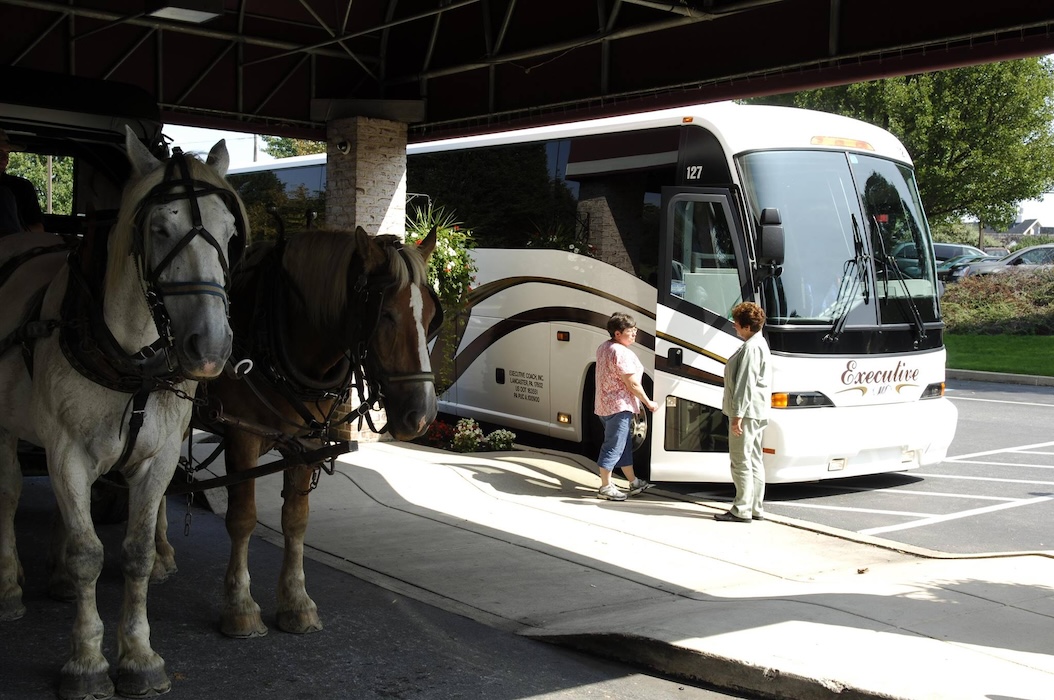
(290,162)
(740,128)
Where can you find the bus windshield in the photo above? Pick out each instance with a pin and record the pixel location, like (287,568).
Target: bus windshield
(858,248)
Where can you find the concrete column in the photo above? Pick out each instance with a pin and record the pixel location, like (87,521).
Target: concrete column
(366,186)
(366,175)
(614,206)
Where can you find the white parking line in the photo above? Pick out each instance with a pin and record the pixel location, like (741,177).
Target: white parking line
(818,506)
(1016,403)
(1004,464)
(985,478)
(953,516)
(995,452)
(911,492)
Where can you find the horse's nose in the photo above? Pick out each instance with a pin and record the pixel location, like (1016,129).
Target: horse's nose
(418,421)
(206,352)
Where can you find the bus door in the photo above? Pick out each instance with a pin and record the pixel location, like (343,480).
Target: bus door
(704,271)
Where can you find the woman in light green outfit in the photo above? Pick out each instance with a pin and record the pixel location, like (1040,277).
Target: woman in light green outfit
(746,401)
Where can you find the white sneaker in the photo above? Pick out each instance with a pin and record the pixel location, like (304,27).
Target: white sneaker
(610,493)
(639,485)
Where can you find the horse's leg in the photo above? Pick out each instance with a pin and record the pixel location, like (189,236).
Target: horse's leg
(296,611)
(60,585)
(85,674)
(11,576)
(241,614)
(164,553)
(140,670)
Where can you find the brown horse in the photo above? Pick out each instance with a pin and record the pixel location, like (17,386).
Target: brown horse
(309,312)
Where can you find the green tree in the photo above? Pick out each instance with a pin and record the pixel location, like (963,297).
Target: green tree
(282,147)
(981,137)
(34,168)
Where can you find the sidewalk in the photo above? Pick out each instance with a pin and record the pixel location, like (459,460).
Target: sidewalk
(781,608)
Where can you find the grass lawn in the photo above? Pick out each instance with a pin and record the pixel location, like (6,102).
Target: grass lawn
(1020,354)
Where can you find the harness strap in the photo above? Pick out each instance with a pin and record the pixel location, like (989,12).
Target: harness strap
(12,264)
(29,329)
(297,459)
(135,423)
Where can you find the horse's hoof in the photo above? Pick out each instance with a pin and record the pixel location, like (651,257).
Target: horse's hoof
(161,574)
(299,621)
(143,683)
(243,626)
(93,686)
(11,609)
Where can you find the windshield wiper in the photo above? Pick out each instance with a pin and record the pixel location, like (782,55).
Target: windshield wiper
(850,284)
(891,262)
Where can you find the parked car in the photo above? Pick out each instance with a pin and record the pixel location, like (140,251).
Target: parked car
(997,251)
(947,251)
(1025,259)
(954,269)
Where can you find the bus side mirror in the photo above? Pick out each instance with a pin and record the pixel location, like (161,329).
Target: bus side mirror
(770,243)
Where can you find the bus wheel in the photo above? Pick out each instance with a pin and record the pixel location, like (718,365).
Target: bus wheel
(641,436)
(593,429)
(640,430)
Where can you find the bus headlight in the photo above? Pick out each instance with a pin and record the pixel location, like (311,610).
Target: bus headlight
(933,391)
(803,399)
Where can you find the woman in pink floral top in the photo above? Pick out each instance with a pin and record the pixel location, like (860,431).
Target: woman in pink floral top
(619,395)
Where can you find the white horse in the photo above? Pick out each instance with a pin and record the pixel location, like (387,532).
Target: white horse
(109,387)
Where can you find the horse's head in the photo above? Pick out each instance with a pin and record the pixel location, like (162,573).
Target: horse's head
(185,227)
(410,315)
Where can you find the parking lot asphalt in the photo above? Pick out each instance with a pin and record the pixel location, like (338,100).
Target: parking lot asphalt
(778,608)
(517,542)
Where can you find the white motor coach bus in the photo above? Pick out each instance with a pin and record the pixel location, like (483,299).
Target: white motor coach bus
(675,217)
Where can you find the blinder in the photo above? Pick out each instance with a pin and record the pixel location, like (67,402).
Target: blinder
(177,186)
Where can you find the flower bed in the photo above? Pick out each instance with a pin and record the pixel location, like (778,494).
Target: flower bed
(467,436)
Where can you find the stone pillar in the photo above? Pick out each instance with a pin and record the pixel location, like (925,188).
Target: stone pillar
(366,186)
(366,175)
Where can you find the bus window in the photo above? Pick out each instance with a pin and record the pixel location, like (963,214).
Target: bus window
(705,272)
(298,192)
(906,289)
(694,427)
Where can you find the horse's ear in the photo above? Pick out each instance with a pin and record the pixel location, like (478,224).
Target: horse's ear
(219,158)
(428,243)
(142,160)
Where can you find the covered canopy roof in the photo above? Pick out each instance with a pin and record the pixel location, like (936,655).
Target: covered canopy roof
(462,66)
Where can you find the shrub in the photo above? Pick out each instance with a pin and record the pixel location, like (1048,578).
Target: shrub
(501,440)
(467,436)
(451,269)
(439,435)
(1016,302)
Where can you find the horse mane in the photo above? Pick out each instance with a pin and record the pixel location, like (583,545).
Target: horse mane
(135,191)
(319,260)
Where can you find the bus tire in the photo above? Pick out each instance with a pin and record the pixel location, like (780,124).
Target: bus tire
(593,436)
(592,428)
(642,434)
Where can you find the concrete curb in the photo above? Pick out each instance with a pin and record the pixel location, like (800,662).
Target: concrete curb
(1004,377)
